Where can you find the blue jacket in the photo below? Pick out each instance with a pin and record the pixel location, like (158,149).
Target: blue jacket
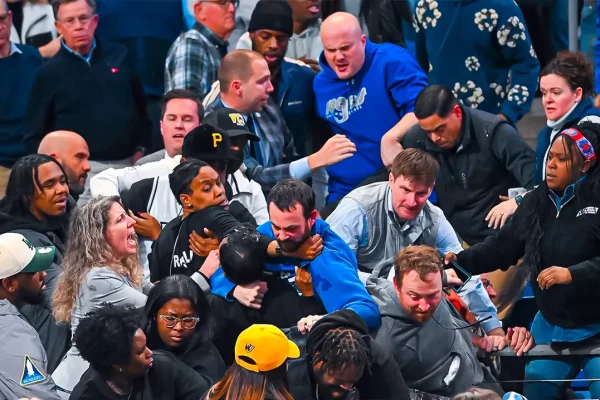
(471,46)
(597,48)
(365,107)
(18,73)
(295,99)
(334,276)
(584,108)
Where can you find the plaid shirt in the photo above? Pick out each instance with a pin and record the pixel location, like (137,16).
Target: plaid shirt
(193,60)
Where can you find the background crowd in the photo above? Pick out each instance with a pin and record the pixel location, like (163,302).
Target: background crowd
(298,199)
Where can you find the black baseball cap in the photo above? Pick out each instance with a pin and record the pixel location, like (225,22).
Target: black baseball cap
(231,122)
(206,142)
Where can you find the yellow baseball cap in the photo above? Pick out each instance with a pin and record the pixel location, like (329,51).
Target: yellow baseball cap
(263,348)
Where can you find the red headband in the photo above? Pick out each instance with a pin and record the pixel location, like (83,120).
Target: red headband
(583,144)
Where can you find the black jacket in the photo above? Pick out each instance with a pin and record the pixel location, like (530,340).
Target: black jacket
(383,382)
(571,239)
(53,232)
(491,158)
(101,100)
(168,379)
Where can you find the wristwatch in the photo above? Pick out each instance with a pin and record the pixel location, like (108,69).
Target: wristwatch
(519,199)
(278,250)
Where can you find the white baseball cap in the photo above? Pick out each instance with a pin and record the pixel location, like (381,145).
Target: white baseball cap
(17,254)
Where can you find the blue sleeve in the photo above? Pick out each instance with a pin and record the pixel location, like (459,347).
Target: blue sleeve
(349,221)
(446,240)
(597,48)
(336,282)
(479,303)
(220,285)
(404,81)
(524,65)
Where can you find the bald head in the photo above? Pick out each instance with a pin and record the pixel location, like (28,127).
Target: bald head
(344,44)
(245,81)
(71,150)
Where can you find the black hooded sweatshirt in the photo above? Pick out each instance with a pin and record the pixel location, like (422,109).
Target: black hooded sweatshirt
(52,232)
(384,381)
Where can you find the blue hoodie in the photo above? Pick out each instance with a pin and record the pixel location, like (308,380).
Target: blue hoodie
(365,107)
(471,47)
(334,276)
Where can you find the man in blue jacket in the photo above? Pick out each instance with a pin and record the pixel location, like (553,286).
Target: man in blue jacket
(367,92)
(334,272)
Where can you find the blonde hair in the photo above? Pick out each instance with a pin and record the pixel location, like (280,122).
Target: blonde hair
(87,248)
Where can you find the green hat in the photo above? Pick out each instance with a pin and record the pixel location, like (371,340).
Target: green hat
(17,255)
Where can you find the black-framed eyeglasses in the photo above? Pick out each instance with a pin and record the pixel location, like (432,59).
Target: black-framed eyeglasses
(223,3)
(186,322)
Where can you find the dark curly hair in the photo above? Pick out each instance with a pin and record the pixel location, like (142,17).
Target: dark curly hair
(574,68)
(532,226)
(104,338)
(340,348)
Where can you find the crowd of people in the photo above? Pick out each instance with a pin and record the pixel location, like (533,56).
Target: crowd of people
(292,199)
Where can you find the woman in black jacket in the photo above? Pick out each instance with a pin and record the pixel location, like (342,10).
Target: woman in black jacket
(556,231)
(179,321)
(123,367)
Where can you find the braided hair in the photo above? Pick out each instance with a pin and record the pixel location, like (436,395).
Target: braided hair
(340,348)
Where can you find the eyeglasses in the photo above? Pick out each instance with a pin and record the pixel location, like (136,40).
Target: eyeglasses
(223,3)
(187,322)
(83,19)
(4,17)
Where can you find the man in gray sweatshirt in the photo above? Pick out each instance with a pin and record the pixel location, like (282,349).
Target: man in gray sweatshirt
(432,347)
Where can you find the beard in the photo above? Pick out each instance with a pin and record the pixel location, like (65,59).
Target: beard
(291,245)
(30,297)
(75,187)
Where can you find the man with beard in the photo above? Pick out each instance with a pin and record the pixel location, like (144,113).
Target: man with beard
(430,344)
(334,272)
(72,152)
(24,368)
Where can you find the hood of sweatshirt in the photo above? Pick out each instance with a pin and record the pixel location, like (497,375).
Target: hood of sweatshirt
(7,308)
(343,318)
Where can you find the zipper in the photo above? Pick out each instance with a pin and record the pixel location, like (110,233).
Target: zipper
(561,206)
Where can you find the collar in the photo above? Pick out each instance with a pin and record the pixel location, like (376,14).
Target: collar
(14,49)
(404,225)
(233,108)
(210,35)
(567,196)
(560,122)
(87,58)
(172,162)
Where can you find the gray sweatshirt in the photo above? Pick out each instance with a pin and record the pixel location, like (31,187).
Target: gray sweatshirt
(24,366)
(433,357)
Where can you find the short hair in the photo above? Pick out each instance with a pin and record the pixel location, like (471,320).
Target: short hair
(423,259)
(242,256)
(417,166)
(435,100)
(57,3)
(181,94)
(289,191)
(182,176)
(22,183)
(236,65)
(107,328)
(574,68)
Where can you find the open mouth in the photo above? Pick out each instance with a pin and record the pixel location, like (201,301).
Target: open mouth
(62,201)
(224,203)
(131,239)
(271,58)
(314,9)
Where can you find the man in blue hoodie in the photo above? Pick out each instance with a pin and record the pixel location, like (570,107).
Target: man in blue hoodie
(334,272)
(367,92)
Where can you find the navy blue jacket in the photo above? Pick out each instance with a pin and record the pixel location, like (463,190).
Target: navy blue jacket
(295,98)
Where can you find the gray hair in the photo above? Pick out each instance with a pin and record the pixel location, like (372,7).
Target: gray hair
(87,248)
(57,3)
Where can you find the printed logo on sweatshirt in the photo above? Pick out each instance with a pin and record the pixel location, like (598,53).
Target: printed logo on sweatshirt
(31,373)
(588,210)
(183,260)
(341,108)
